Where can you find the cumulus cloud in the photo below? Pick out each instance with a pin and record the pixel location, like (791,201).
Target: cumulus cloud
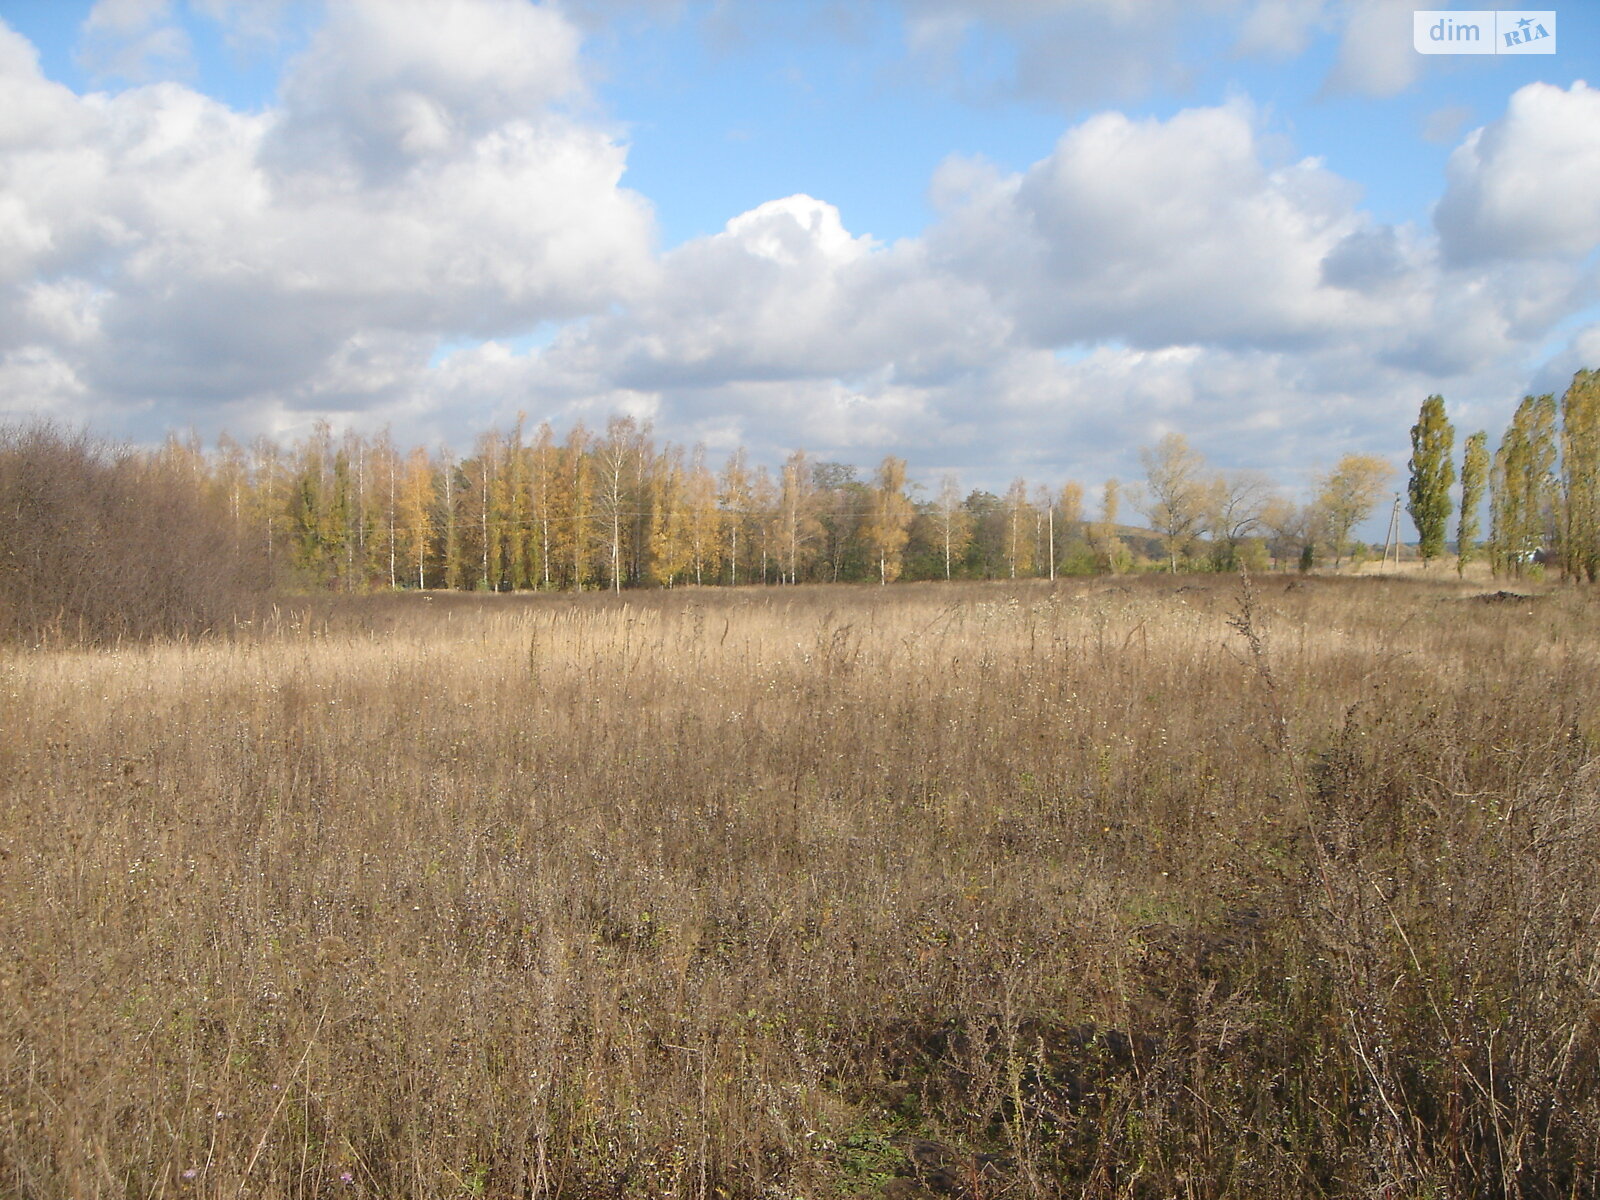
(431,176)
(1157,233)
(387,83)
(435,189)
(785,291)
(1525,185)
(1203,284)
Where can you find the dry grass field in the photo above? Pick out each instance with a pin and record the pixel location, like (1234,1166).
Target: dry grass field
(1119,888)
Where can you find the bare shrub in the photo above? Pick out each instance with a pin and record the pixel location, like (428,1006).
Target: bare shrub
(99,544)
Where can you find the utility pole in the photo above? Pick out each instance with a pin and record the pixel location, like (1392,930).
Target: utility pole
(1392,538)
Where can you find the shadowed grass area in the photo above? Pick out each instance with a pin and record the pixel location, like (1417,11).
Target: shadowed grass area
(1118,888)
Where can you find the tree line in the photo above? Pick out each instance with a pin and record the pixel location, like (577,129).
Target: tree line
(613,509)
(1543,485)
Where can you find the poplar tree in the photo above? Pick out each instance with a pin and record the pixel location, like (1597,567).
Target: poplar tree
(573,516)
(1474,478)
(1580,477)
(521,542)
(1235,503)
(1521,485)
(1431,474)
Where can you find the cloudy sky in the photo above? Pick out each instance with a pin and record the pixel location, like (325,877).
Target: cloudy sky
(999,236)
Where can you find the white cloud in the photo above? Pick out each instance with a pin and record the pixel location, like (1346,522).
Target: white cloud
(1156,233)
(1525,186)
(126,16)
(1279,28)
(135,40)
(785,292)
(431,178)
(1229,294)
(1376,55)
(247,24)
(386,83)
(1065,52)
(1074,53)
(232,254)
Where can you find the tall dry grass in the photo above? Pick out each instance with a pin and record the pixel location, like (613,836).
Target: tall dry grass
(1134,889)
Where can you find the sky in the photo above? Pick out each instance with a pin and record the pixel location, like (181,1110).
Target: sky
(1000,237)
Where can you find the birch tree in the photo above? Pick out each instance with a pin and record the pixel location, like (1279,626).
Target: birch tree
(415,507)
(1347,495)
(888,527)
(797,513)
(1174,499)
(952,523)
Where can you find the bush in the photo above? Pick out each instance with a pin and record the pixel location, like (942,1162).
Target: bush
(99,544)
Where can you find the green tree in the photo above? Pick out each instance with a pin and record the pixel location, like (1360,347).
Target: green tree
(1580,477)
(843,506)
(1431,474)
(1474,478)
(1522,486)
(986,517)
(1236,504)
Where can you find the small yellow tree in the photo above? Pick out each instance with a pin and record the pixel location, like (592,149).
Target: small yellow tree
(415,512)
(889,523)
(1348,494)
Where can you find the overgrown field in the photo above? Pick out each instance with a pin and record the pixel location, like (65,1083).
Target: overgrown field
(1136,888)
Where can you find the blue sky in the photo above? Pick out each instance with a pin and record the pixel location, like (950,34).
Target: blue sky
(1004,237)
